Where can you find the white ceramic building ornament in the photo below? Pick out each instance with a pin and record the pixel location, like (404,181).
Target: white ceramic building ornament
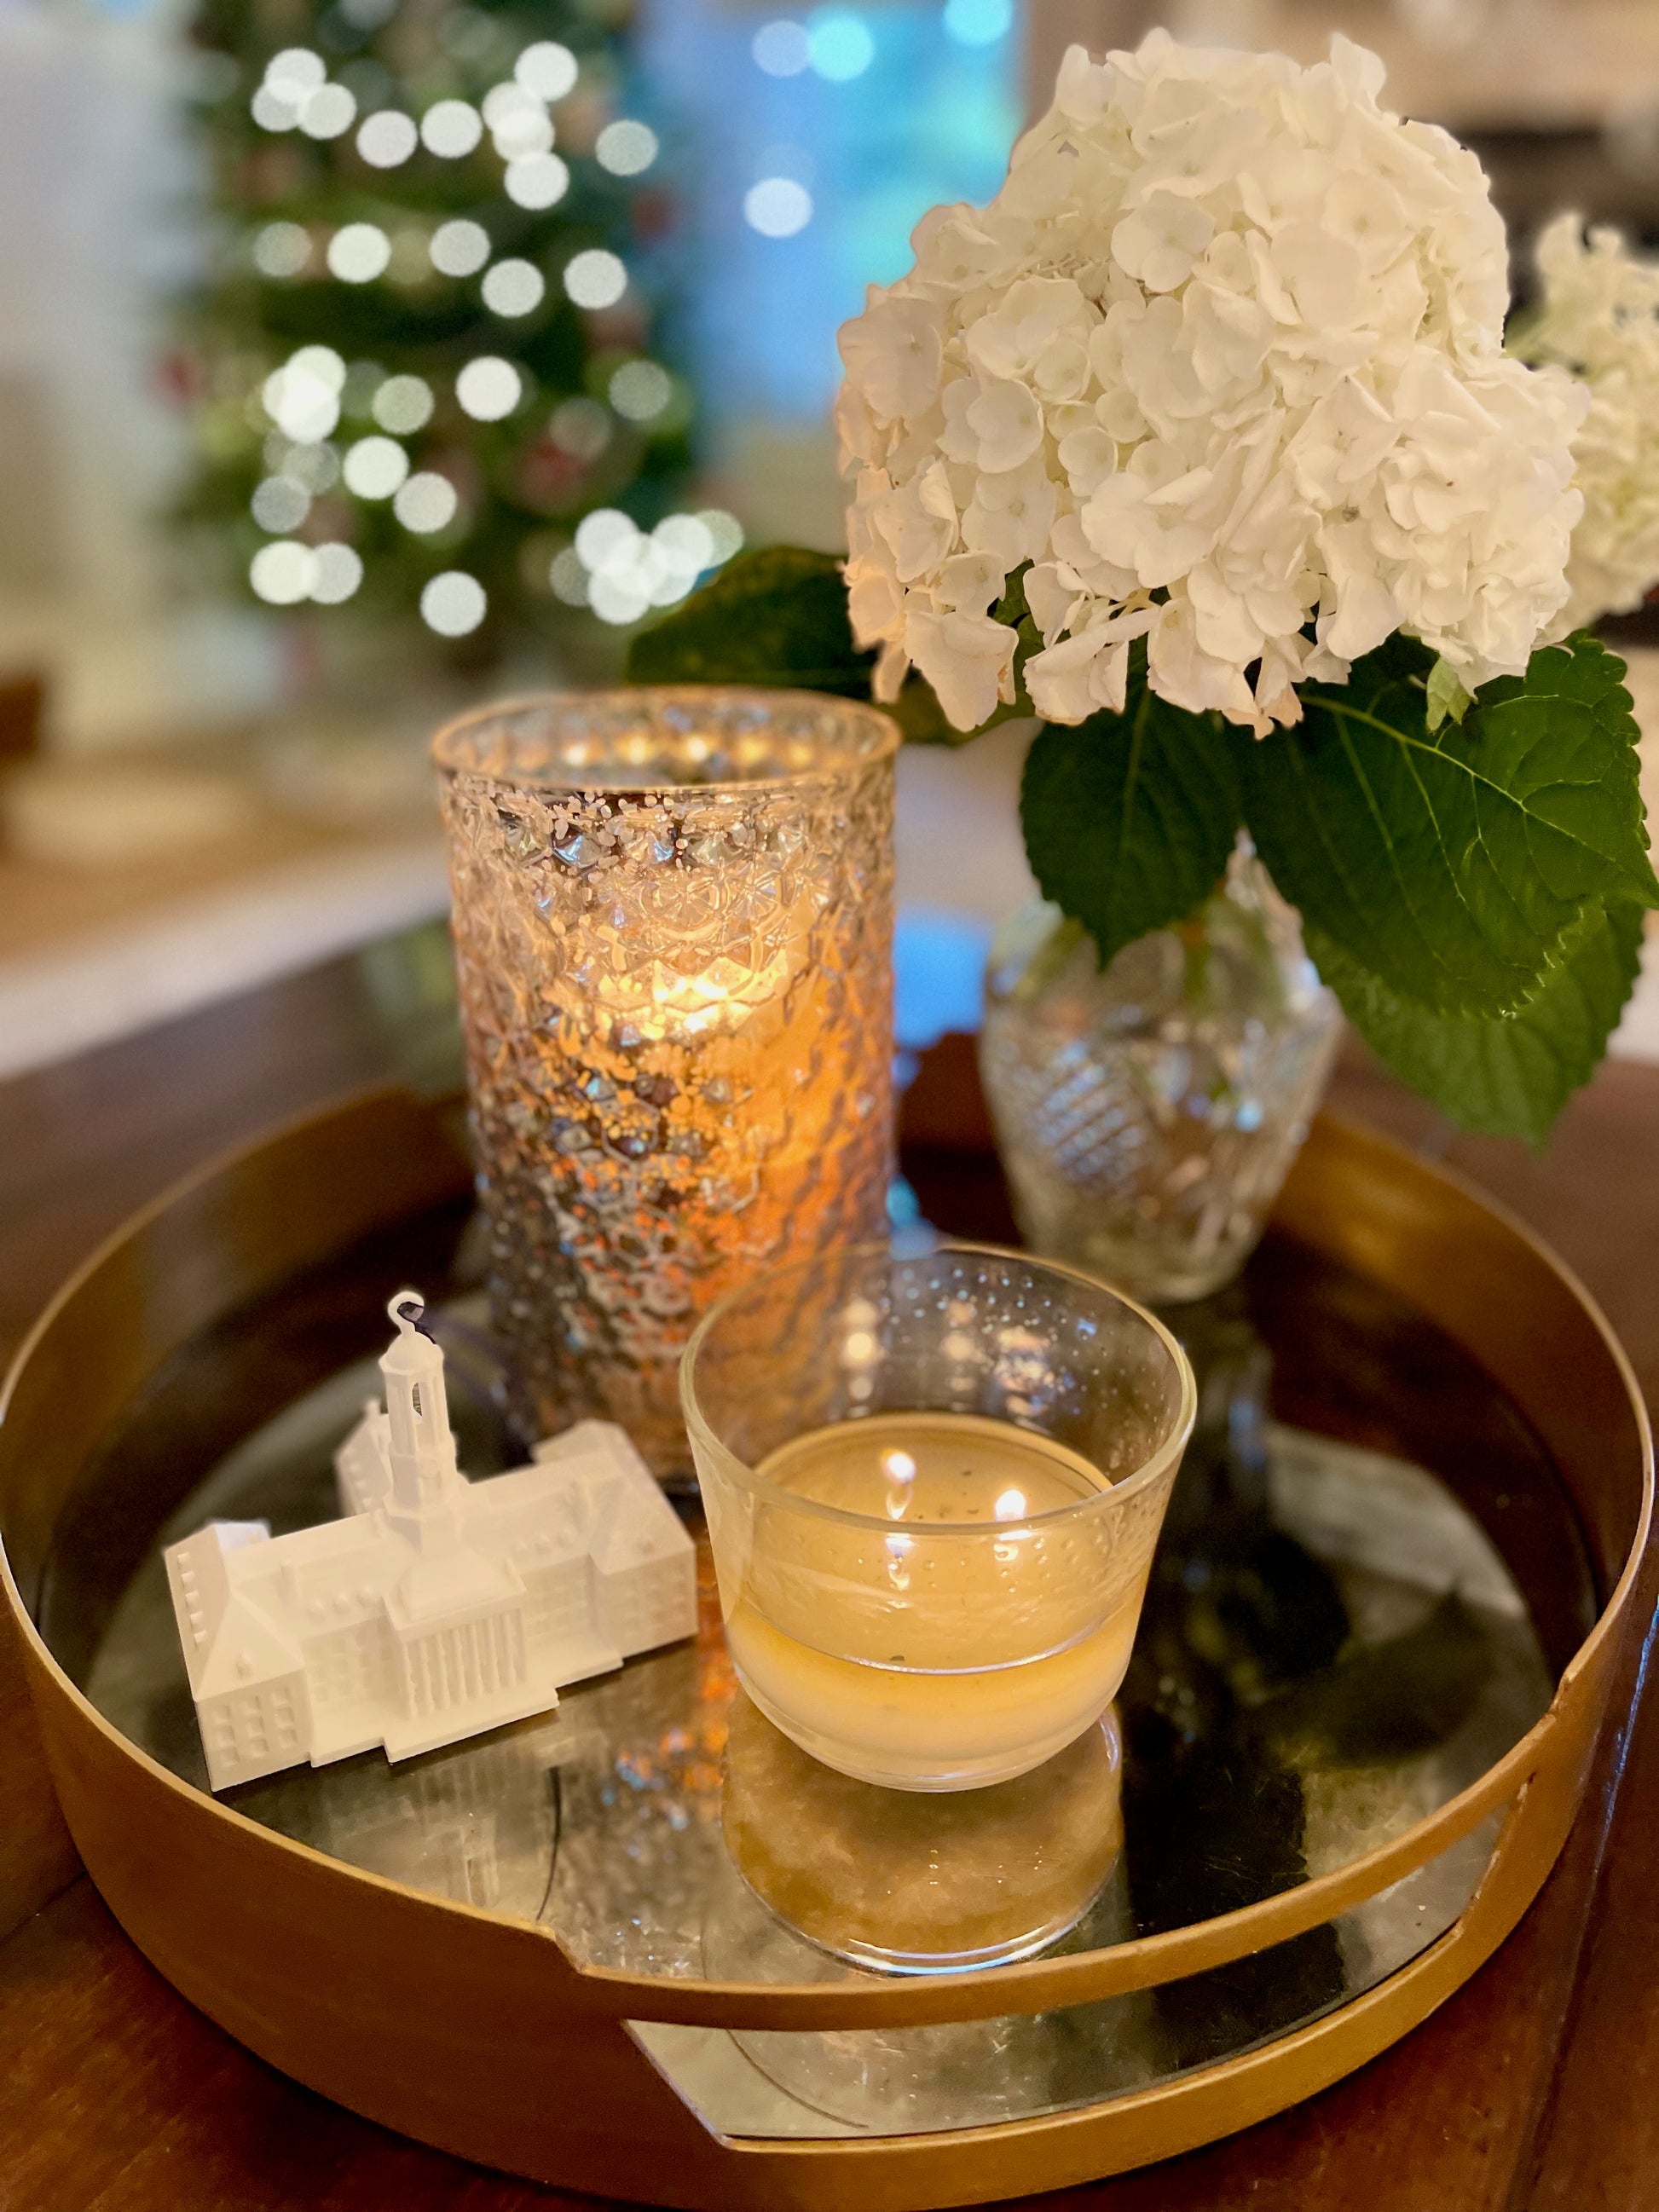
(438,1608)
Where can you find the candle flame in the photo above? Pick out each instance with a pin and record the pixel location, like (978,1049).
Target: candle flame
(1010,1505)
(900,1470)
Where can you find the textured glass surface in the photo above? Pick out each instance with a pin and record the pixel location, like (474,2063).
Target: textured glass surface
(673,928)
(1148,1116)
(1331,1647)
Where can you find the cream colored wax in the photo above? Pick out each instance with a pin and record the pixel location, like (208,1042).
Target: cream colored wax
(971,1635)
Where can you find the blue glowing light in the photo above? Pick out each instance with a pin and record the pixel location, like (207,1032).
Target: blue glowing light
(782,48)
(764,273)
(978,22)
(839,44)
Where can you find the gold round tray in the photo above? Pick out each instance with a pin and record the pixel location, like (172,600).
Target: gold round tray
(481,2034)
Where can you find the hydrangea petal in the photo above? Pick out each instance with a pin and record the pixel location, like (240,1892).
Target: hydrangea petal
(1225,353)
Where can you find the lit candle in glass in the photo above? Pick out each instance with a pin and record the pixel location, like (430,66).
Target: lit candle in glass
(933,1487)
(672,920)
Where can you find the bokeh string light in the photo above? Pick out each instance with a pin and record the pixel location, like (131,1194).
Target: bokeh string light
(978,22)
(580,427)
(374,467)
(547,69)
(286,572)
(782,48)
(427,503)
(488,388)
(403,404)
(640,390)
(279,504)
(840,45)
(777,207)
(361,457)
(330,111)
(520,127)
(453,604)
(625,147)
(460,248)
(281,249)
(621,572)
(595,278)
(303,398)
(387,140)
(451,129)
(358,252)
(337,573)
(536,180)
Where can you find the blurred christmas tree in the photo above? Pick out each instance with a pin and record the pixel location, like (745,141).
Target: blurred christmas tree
(421,366)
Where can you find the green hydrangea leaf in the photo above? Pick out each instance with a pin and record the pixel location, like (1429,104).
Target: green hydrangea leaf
(775,617)
(1129,818)
(1509,1076)
(1454,865)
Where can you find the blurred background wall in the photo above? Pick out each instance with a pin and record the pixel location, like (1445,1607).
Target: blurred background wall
(96,235)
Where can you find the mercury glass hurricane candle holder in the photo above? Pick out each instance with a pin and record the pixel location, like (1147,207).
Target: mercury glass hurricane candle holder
(673,936)
(934,1486)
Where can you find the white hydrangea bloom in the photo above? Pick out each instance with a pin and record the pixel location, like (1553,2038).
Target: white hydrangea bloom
(1223,360)
(1599,319)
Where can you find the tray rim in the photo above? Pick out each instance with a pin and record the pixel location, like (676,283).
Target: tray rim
(1541,1779)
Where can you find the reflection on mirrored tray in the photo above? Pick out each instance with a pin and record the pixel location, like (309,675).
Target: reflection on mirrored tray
(908,1881)
(1331,1649)
(975,2073)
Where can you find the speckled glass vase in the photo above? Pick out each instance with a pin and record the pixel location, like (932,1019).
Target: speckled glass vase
(1147,1117)
(673,934)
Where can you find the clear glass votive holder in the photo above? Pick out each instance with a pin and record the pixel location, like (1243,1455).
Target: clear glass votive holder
(672,916)
(934,1486)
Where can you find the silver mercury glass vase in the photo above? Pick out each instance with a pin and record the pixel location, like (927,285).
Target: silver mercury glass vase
(1147,1117)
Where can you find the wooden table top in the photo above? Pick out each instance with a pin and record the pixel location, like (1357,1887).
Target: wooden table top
(1532,2090)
